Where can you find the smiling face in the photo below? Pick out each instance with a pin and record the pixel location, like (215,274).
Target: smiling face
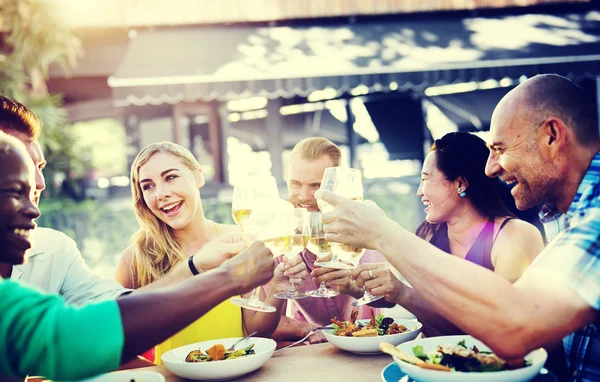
(304,179)
(515,156)
(17,211)
(170,189)
(438,194)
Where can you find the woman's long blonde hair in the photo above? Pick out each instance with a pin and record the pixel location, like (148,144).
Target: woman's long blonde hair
(155,250)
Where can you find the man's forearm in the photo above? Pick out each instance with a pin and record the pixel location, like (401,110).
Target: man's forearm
(179,273)
(265,323)
(154,315)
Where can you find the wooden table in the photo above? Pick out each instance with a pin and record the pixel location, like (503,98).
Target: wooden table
(322,362)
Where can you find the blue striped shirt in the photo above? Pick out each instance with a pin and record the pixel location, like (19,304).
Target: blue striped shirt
(573,258)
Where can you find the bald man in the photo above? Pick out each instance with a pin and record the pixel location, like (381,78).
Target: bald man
(545,140)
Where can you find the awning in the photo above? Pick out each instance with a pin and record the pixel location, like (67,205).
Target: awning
(226,62)
(400,124)
(471,111)
(295,127)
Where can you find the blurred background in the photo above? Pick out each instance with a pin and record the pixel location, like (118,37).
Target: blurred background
(240,82)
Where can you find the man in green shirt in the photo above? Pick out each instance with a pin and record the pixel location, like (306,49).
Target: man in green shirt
(40,335)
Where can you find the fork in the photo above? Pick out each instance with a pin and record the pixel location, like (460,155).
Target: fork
(232,348)
(304,338)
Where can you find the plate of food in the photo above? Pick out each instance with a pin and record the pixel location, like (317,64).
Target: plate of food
(214,361)
(128,376)
(364,336)
(461,358)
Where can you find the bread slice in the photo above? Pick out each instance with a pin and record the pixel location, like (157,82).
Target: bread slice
(366,333)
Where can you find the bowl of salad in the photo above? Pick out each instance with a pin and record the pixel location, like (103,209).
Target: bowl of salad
(215,360)
(465,359)
(364,336)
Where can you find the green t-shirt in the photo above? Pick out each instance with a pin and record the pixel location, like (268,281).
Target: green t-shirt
(40,335)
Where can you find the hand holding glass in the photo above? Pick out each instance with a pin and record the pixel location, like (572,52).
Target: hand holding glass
(295,244)
(320,248)
(345,182)
(245,196)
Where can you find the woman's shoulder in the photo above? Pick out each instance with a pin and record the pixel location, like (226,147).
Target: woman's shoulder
(513,232)
(514,225)
(127,255)
(124,272)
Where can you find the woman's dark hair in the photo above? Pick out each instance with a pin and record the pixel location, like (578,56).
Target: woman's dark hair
(465,155)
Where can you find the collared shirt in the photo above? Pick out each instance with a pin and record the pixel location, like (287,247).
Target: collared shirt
(553,220)
(40,335)
(55,266)
(572,257)
(320,311)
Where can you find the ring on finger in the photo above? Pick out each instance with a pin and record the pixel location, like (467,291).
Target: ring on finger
(371,275)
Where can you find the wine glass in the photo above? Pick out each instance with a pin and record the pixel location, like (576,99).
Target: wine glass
(320,248)
(241,204)
(345,182)
(245,196)
(296,244)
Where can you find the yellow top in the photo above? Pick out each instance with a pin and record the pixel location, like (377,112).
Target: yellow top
(223,321)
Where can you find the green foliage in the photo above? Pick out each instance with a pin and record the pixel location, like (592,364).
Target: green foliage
(101,144)
(397,198)
(37,38)
(103,225)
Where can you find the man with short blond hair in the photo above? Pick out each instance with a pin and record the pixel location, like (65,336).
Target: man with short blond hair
(316,147)
(308,161)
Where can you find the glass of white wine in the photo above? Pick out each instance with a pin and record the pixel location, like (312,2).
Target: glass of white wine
(346,182)
(241,204)
(294,245)
(245,196)
(319,247)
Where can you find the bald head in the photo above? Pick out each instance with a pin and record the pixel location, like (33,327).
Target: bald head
(551,95)
(543,136)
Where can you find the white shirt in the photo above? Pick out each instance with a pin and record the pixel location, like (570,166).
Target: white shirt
(55,265)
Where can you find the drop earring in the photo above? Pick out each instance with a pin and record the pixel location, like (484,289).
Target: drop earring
(461,193)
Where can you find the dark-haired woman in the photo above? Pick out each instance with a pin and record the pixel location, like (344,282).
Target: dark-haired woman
(465,216)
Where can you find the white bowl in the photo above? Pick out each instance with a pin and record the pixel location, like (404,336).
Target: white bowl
(127,376)
(536,357)
(174,360)
(370,345)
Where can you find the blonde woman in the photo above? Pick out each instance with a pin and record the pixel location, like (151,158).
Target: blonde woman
(165,179)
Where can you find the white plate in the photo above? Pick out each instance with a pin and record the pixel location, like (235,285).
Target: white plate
(128,376)
(174,360)
(370,345)
(536,357)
